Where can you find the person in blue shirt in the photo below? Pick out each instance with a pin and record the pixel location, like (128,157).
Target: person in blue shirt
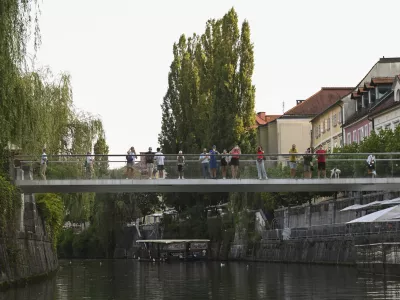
(213,162)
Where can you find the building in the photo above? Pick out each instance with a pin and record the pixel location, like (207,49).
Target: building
(326,127)
(294,126)
(263,119)
(369,91)
(386,113)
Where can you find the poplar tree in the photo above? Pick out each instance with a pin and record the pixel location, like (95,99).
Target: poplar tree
(210,96)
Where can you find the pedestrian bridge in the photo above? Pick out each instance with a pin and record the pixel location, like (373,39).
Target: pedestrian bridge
(208,185)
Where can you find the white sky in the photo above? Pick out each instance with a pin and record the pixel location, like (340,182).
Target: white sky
(118,52)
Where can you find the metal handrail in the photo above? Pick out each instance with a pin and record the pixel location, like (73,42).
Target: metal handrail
(219,154)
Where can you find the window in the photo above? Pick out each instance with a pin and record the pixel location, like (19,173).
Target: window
(370,127)
(360,134)
(316,133)
(354,135)
(387,126)
(340,117)
(372,96)
(323,127)
(365,100)
(378,129)
(349,138)
(366,132)
(334,120)
(395,124)
(328,124)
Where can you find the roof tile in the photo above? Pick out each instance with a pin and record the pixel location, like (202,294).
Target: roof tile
(318,102)
(382,80)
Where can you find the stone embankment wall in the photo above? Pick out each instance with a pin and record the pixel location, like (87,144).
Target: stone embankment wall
(326,212)
(28,253)
(377,253)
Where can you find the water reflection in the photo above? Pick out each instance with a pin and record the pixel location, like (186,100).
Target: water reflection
(126,279)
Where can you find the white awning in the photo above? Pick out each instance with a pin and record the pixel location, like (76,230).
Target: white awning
(395,201)
(385,215)
(172,241)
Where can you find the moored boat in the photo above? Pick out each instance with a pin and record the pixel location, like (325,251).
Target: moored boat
(173,250)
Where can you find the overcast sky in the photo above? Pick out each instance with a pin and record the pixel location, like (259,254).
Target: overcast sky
(118,52)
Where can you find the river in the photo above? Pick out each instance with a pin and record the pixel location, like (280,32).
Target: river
(128,279)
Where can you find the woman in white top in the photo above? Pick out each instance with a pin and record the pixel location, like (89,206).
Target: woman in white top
(371,165)
(43,165)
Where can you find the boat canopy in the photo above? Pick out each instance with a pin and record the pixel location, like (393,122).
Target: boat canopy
(172,241)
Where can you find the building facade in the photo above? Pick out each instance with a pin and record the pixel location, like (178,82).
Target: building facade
(386,114)
(370,91)
(294,126)
(326,128)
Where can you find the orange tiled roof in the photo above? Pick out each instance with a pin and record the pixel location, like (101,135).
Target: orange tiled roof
(355,95)
(382,80)
(318,102)
(262,119)
(368,86)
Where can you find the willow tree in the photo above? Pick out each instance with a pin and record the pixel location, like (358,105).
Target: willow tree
(15,24)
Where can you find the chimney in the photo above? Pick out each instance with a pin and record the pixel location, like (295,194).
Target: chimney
(261,115)
(299,101)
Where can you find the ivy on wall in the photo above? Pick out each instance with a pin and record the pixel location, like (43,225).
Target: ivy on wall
(9,203)
(51,208)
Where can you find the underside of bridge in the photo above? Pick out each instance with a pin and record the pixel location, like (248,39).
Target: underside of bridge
(208,185)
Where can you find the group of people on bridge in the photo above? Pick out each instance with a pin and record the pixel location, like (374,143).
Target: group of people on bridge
(212,160)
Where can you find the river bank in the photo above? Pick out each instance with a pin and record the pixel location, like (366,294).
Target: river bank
(28,255)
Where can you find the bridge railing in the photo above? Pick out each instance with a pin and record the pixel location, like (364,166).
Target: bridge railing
(334,230)
(114,166)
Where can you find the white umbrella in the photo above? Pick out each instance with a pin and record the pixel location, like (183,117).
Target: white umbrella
(384,215)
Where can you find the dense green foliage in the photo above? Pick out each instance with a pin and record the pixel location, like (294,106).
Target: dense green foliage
(210,96)
(10,199)
(51,208)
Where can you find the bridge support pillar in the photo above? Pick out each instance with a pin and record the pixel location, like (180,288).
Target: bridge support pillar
(331,212)
(286,218)
(21,211)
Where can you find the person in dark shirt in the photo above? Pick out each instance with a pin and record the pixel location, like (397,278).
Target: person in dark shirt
(307,158)
(150,162)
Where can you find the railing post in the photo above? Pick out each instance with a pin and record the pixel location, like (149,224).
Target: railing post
(391,161)
(21,211)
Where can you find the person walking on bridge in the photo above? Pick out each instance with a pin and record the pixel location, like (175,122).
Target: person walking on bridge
(89,165)
(321,158)
(224,163)
(43,165)
(213,162)
(160,163)
(293,161)
(130,162)
(371,165)
(181,163)
(262,174)
(150,162)
(205,159)
(235,156)
(307,161)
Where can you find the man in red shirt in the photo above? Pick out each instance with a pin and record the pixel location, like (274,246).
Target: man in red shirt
(321,161)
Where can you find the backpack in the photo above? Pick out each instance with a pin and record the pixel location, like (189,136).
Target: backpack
(180,159)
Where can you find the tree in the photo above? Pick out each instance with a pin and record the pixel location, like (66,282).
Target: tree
(210,96)
(209,100)
(101,162)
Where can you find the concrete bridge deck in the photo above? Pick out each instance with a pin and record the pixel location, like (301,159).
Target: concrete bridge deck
(208,185)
